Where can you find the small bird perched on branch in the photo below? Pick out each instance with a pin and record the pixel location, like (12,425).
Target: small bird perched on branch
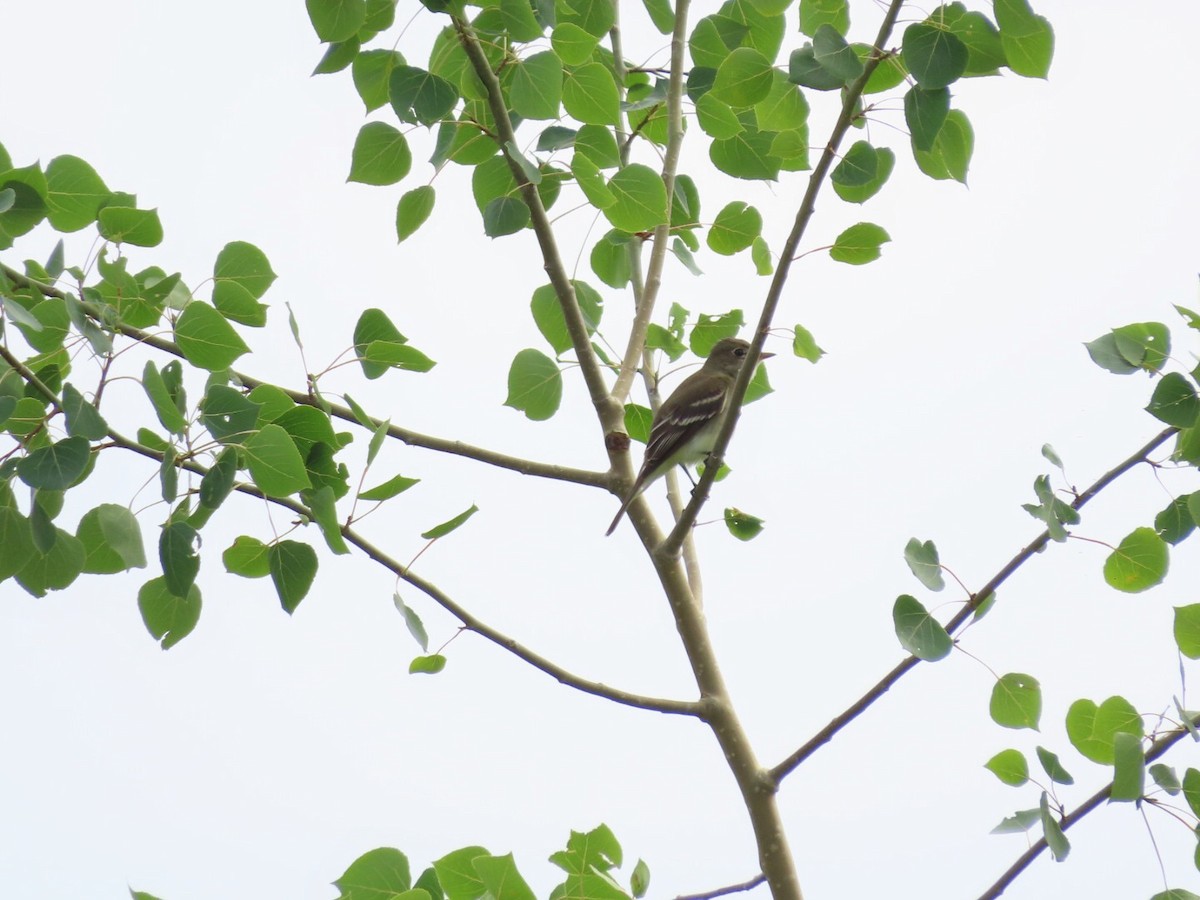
(685,427)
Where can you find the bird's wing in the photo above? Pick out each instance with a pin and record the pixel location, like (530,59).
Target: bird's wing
(678,421)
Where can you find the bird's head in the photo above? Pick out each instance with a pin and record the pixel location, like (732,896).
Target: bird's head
(728,354)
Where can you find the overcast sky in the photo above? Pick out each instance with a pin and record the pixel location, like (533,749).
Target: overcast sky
(263,754)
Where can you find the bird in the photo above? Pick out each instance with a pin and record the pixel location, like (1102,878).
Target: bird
(685,427)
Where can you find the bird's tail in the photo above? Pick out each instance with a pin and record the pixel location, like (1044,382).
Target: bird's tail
(620,512)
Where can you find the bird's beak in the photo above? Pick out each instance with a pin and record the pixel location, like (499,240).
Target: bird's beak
(764,355)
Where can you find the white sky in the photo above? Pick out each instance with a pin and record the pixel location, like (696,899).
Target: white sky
(263,754)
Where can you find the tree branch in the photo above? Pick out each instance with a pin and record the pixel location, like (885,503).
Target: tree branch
(469,621)
(407,436)
(608,410)
(748,885)
(822,737)
(1157,749)
(775,292)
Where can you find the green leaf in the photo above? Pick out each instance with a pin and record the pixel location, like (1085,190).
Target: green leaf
(228,414)
(760,255)
(610,259)
(859,166)
(749,154)
(1191,790)
(248,557)
(573,45)
(710,329)
(759,385)
(925,112)
(413,622)
(1174,401)
(918,631)
(206,339)
(742,526)
(935,57)
(242,264)
(505,215)
(596,17)
(439,531)
(74,193)
(381,873)
(1018,822)
(1176,522)
(178,556)
(1091,728)
(519,20)
(1139,562)
(293,567)
(27,206)
(1104,353)
(111,538)
(1010,767)
(717,119)
(548,314)
(985,51)
(834,55)
(336,20)
(1053,768)
(1059,846)
(413,209)
(396,356)
(374,325)
(169,618)
(815,13)
(1187,630)
(922,559)
(735,228)
(337,57)
(638,420)
(536,88)
(420,96)
(534,385)
(1146,345)
(57,466)
(323,508)
(430,665)
(804,345)
(1027,39)
(380,156)
(599,145)
(275,464)
(1129,768)
(589,94)
(639,880)
(950,157)
(744,78)
(859,244)
(123,225)
(662,14)
(500,876)
(396,485)
(1016,701)
(805,70)
(217,482)
(640,199)
(83,419)
(372,71)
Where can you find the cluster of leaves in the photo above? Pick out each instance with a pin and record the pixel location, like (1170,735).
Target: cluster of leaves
(260,440)
(580,116)
(589,859)
(1111,733)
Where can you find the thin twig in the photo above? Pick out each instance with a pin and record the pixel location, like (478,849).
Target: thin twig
(1157,749)
(775,292)
(822,737)
(748,885)
(407,436)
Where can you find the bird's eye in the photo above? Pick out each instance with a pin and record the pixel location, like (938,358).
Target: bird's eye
(740,351)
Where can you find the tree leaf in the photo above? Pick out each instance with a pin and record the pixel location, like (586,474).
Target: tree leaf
(534,385)
(640,199)
(1027,39)
(1016,701)
(925,112)
(950,156)
(1140,562)
(1091,728)
(1187,630)
(919,632)
(248,557)
(111,539)
(413,209)
(275,464)
(589,94)
(804,345)
(206,339)
(123,225)
(57,466)
(922,559)
(74,193)
(742,526)
(859,244)
(1129,768)
(1056,840)
(293,567)
(439,531)
(168,617)
(1010,767)
(1174,401)
(380,873)
(1053,768)
(380,155)
(178,556)
(397,484)
(413,622)
(336,20)
(428,665)
(935,57)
